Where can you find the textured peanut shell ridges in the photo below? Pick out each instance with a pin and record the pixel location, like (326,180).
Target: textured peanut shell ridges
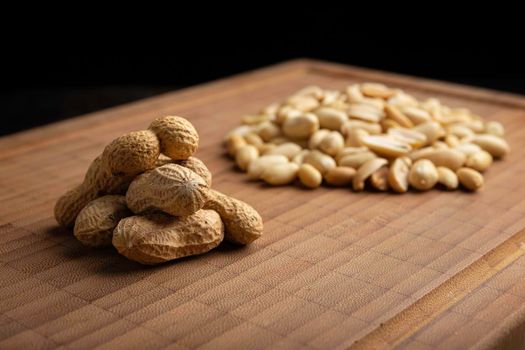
(95,223)
(170,188)
(157,237)
(178,138)
(198,167)
(243,224)
(98,181)
(132,153)
(193,163)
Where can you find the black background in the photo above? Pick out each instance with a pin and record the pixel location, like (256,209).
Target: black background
(52,74)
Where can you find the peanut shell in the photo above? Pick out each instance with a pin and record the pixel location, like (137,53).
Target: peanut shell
(178,138)
(170,188)
(158,237)
(242,223)
(95,222)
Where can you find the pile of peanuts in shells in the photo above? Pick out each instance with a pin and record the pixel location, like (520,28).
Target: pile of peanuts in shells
(367,136)
(149,197)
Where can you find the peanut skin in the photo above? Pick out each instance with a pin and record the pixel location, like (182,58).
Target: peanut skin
(158,237)
(242,223)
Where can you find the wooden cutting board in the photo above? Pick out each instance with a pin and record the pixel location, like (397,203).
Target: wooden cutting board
(335,269)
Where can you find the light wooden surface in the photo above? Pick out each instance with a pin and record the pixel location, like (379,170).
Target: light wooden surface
(436,270)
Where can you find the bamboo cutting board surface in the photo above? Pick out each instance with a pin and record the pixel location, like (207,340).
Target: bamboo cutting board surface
(335,269)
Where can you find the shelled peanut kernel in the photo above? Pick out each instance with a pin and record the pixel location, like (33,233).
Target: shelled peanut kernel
(367,135)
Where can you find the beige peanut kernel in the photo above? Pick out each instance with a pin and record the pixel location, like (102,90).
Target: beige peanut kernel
(398,174)
(309,176)
(387,124)
(332,143)
(280,174)
(467,148)
(245,155)
(354,137)
(423,175)
(301,127)
(449,158)
(495,128)
(304,103)
(440,145)
(349,150)
(253,139)
(320,161)
(340,176)
(447,178)
(270,109)
(470,178)
(265,148)
(311,90)
(239,130)
(412,137)
(386,146)
(257,166)
(495,145)
(479,161)
(268,131)
(396,115)
(371,128)
(356,160)
(377,90)
(379,179)
(460,131)
(365,170)
(317,137)
(299,157)
(331,118)
(286,112)
(417,115)
(432,130)
(287,149)
(233,143)
(254,119)
(452,140)
(279,140)
(365,112)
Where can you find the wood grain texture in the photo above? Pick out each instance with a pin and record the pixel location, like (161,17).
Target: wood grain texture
(436,270)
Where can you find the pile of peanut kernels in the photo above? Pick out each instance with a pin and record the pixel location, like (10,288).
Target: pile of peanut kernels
(367,135)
